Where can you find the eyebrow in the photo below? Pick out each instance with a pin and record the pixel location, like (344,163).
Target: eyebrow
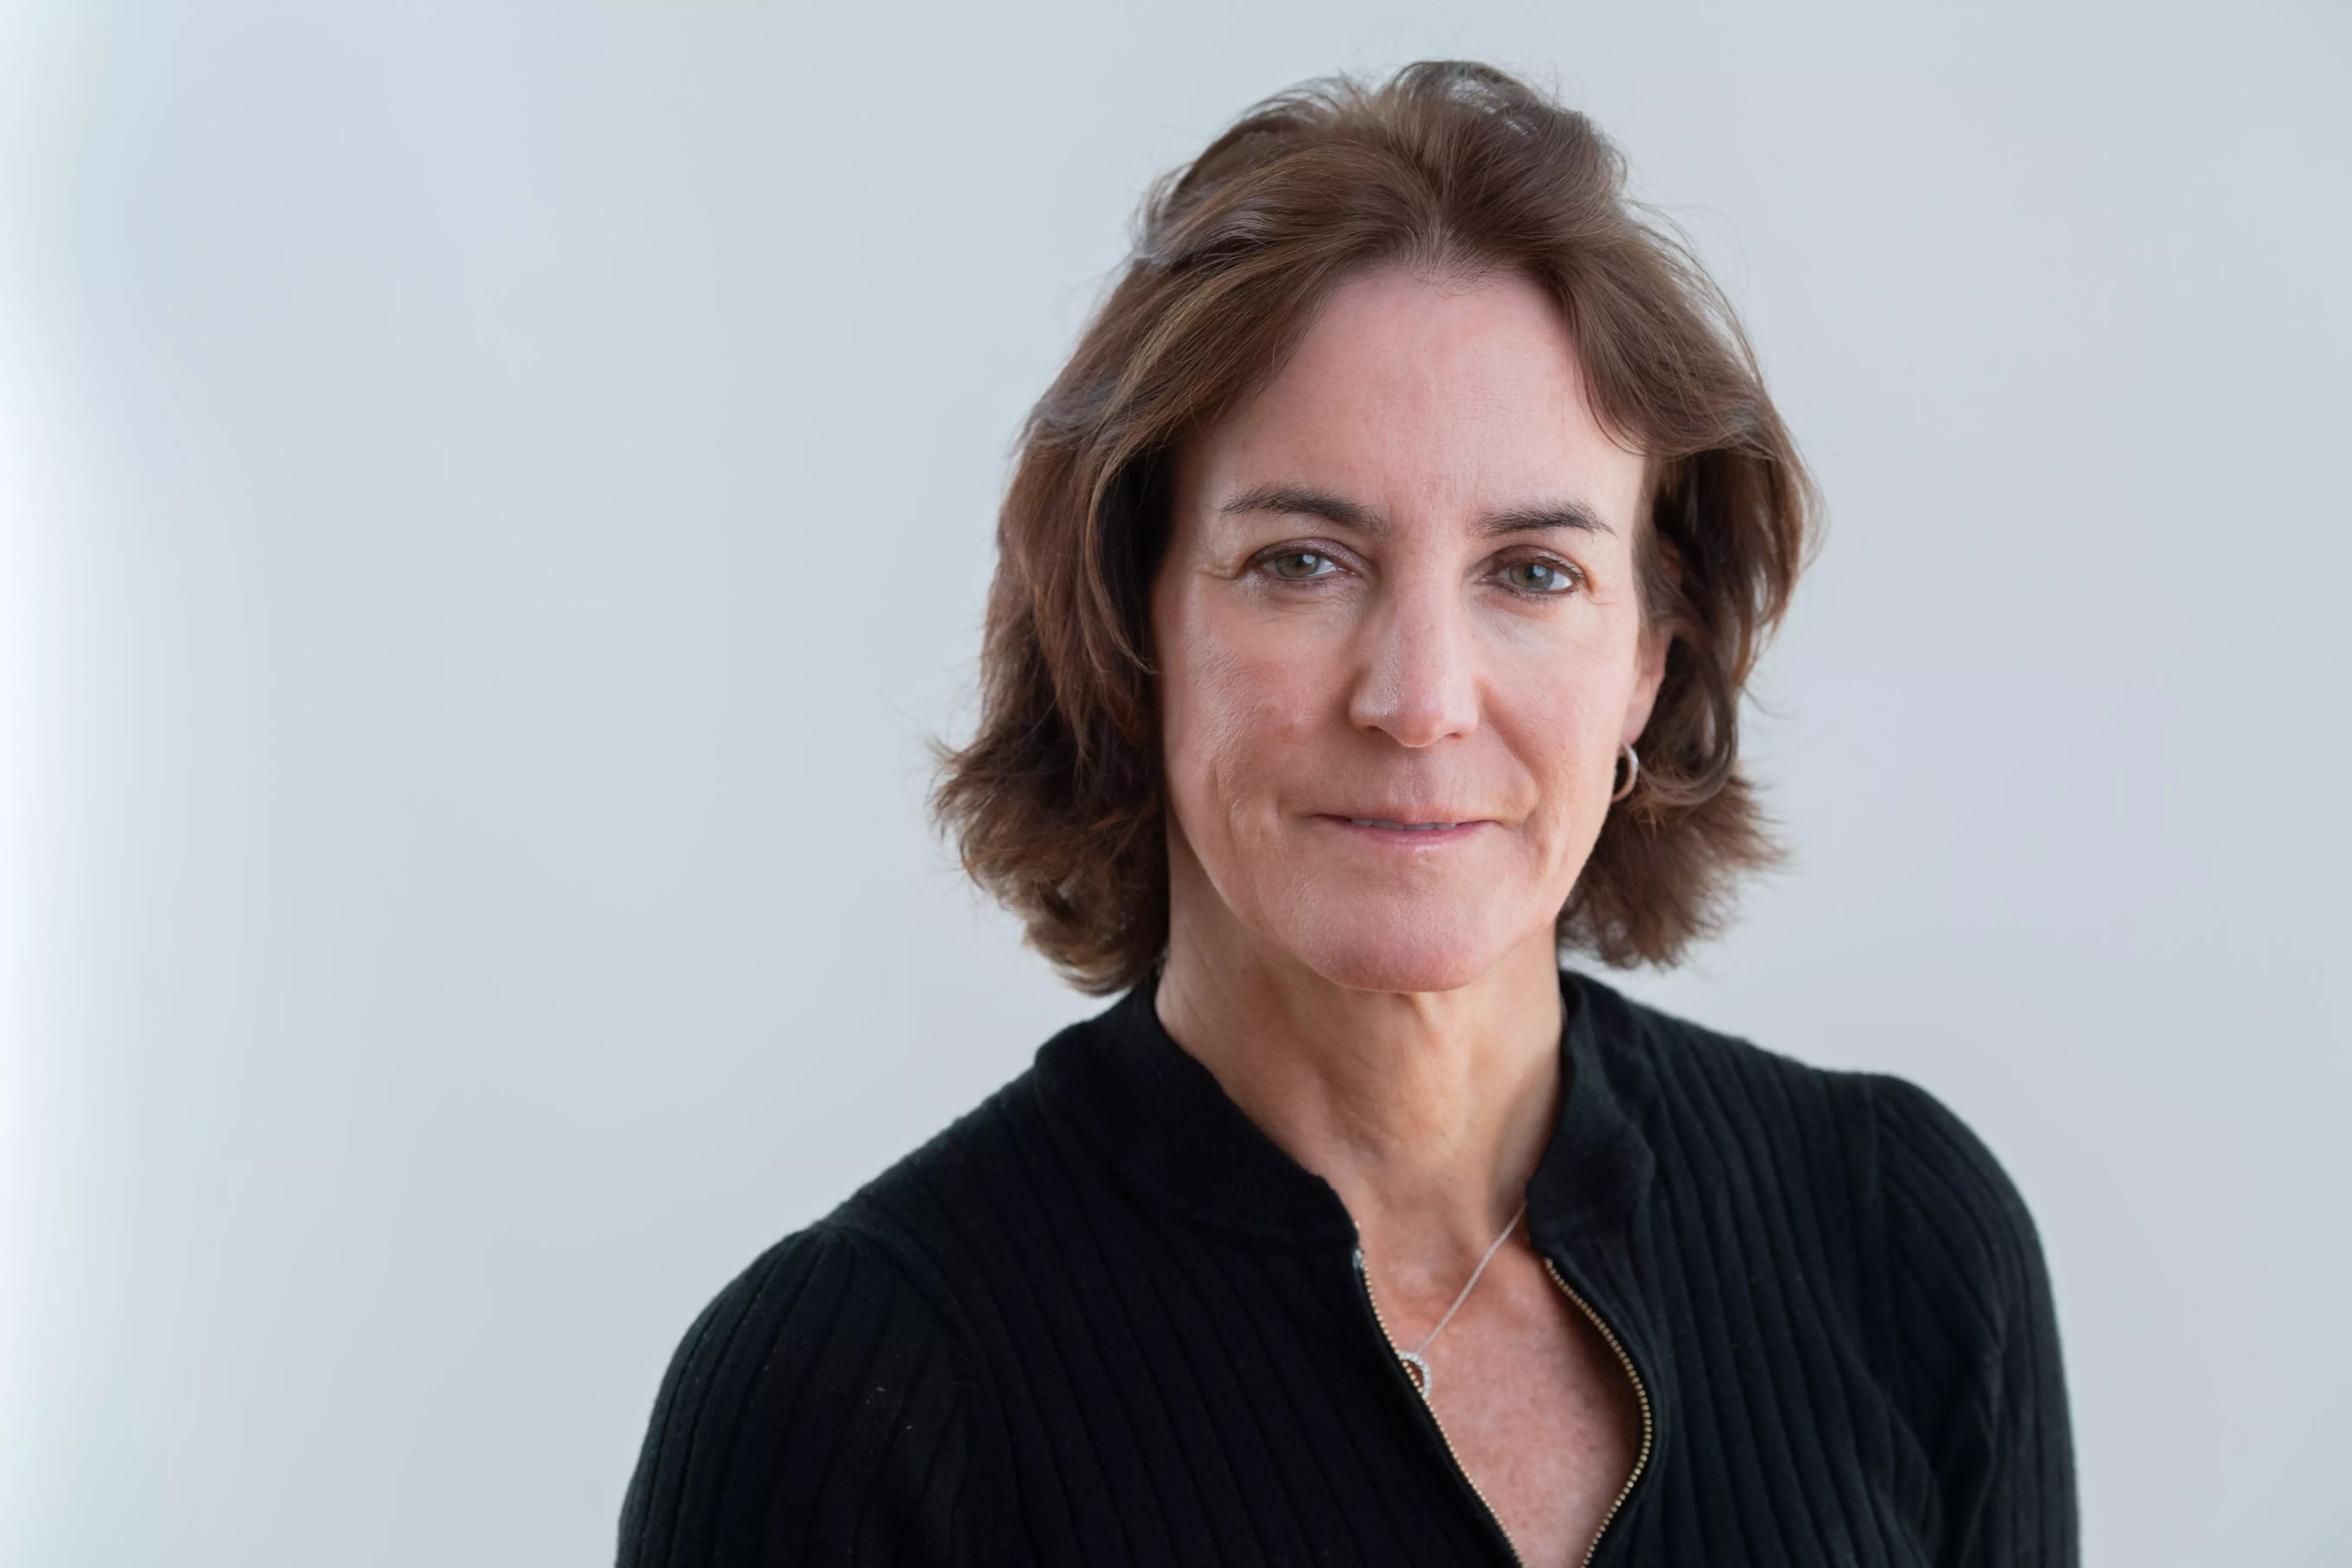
(1301,501)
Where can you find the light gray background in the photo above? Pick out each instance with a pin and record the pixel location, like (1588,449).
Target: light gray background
(493,500)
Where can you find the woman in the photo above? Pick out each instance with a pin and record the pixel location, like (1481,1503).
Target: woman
(1376,586)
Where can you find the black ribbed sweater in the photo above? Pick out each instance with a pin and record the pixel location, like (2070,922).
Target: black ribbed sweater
(1103,1319)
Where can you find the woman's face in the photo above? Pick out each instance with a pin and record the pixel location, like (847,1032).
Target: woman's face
(1399,639)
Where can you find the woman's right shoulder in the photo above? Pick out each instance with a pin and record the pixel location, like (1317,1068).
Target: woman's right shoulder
(835,1382)
(899,1244)
(815,1396)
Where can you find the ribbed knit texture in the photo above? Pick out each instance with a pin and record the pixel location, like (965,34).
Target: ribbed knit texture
(1103,1319)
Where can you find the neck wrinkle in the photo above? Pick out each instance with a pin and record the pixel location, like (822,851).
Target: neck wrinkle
(1427,1114)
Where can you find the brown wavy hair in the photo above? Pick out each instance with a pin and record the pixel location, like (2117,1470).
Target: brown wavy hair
(1058,804)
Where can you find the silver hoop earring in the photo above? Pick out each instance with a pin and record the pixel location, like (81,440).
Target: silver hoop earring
(1633,774)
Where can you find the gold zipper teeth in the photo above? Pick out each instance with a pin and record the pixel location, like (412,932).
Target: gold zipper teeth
(1608,1336)
(1364,1272)
(1641,1396)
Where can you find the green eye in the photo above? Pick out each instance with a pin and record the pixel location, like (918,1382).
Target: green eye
(1301,564)
(1537,577)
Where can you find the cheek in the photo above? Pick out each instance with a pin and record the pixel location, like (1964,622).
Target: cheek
(1559,712)
(1241,703)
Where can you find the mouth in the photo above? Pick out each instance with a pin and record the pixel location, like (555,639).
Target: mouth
(1403,830)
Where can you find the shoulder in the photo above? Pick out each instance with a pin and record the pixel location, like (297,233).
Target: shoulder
(1945,1192)
(1902,1171)
(1699,1087)
(830,1403)
(893,1251)
(939,1210)
(1647,1050)
(1958,1266)
(1890,1222)
(816,1411)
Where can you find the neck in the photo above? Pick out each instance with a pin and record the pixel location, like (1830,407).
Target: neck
(1425,1110)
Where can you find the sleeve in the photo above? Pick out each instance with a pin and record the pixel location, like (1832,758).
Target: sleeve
(1974,1340)
(813,1417)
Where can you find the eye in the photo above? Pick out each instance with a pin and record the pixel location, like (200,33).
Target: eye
(1539,577)
(1298,565)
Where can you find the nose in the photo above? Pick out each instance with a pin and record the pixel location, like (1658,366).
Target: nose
(1417,683)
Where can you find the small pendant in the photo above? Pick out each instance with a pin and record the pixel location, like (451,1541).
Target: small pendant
(1416,1369)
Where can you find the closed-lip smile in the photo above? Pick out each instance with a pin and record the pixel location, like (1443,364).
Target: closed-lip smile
(1411,827)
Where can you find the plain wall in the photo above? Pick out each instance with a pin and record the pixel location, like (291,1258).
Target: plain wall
(494,501)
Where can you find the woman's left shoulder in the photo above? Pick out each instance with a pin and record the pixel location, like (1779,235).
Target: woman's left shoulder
(1882,1219)
(1873,1138)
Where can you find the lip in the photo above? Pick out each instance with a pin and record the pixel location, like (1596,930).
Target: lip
(1408,830)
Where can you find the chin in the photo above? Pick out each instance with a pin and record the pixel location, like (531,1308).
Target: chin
(1415,946)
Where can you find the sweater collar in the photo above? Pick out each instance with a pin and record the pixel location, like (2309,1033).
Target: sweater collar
(1162,1120)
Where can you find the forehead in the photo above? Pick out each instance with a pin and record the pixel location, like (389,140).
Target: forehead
(1416,394)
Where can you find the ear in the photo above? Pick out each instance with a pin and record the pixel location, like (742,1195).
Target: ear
(1649,675)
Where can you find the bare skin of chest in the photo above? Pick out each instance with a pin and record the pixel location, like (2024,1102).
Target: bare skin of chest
(1536,1405)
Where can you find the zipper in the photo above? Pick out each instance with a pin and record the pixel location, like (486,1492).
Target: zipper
(1641,1396)
(1609,1335)
(1364,1277)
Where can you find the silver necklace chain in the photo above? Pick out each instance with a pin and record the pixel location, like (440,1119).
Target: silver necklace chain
(1416,1364)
